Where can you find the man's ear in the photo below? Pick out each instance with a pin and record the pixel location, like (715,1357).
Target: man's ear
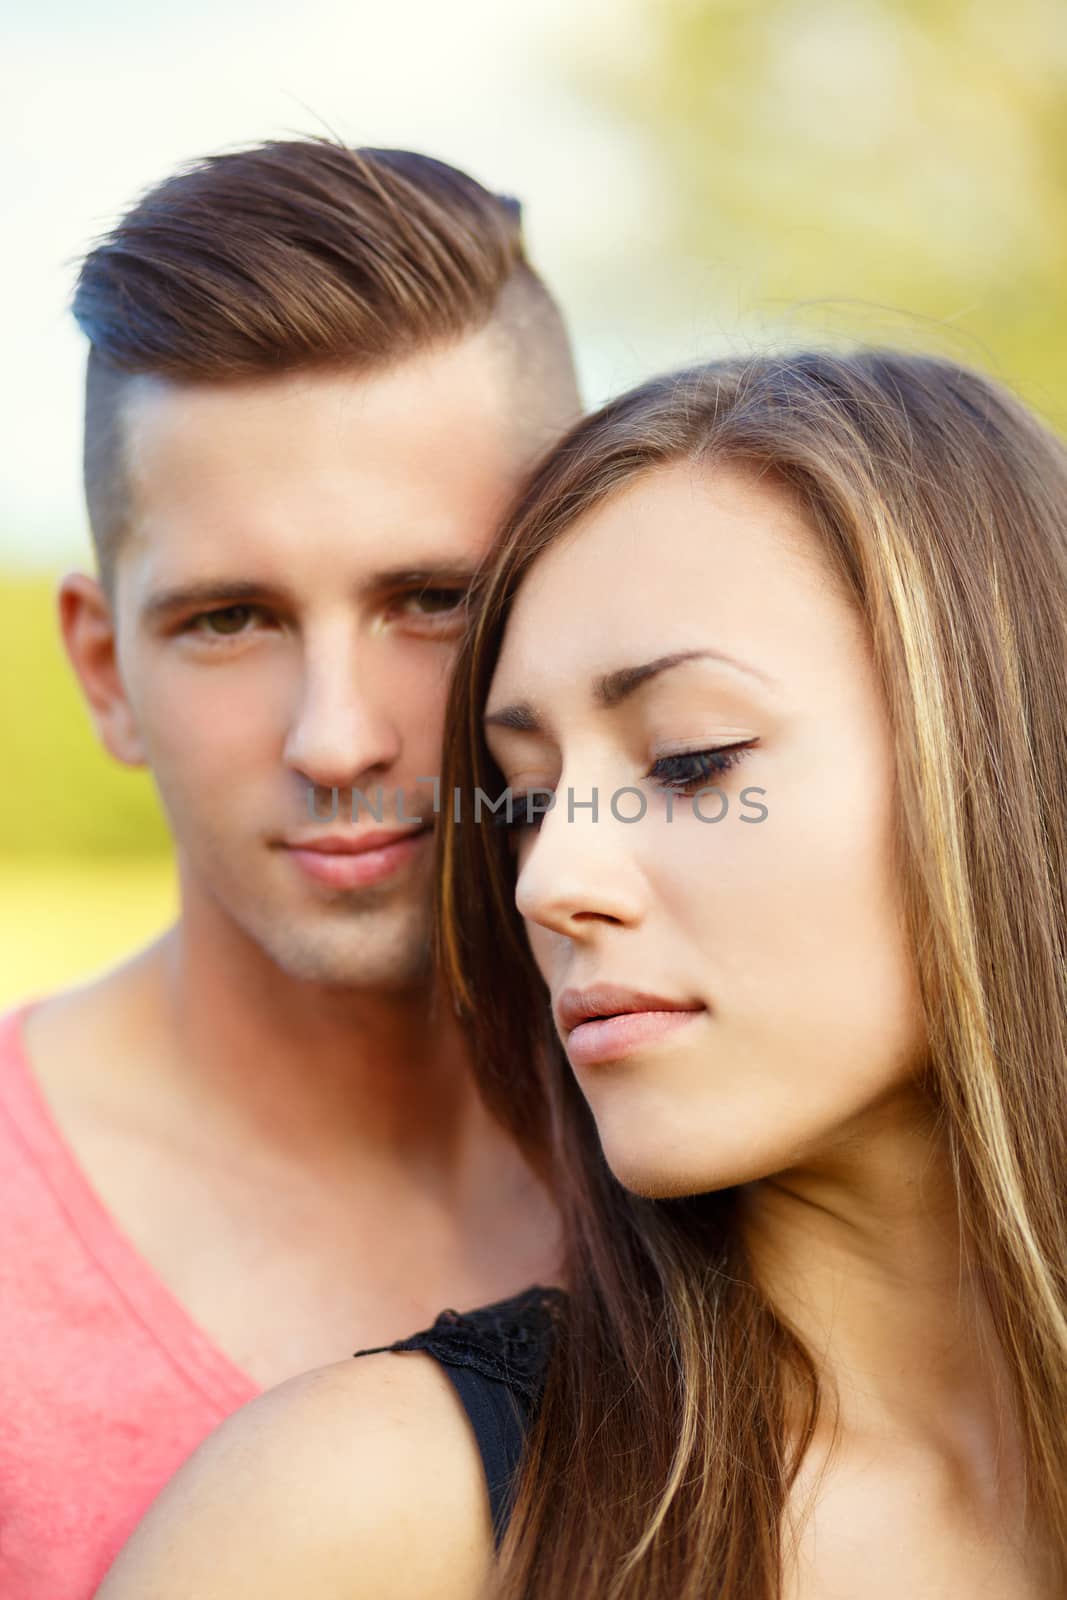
(89,636)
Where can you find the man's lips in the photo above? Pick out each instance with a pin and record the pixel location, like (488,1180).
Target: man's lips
(351,844)
(351,860)
(605,1022)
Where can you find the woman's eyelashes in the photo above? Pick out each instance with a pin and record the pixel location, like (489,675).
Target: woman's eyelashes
(685,774)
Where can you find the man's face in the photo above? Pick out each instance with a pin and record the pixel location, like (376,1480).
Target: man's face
(287,604)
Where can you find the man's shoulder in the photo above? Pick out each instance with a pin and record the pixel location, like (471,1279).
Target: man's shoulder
(359,1479)
(12,1020)
(16,1075)
(72,1032)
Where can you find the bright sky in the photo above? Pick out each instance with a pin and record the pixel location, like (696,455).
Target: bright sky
(101,100)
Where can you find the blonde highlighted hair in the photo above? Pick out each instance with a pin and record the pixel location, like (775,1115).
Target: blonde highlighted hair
(662,1458)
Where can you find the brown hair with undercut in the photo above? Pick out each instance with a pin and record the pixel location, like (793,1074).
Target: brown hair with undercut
(302,255)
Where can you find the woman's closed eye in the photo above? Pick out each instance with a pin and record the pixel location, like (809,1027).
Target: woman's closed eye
(694,768)
(681,774)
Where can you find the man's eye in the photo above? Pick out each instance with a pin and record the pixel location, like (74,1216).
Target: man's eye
(435,602)
(225,622)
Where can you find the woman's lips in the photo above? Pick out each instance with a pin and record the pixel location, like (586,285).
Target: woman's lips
(611,1038)
(354,869)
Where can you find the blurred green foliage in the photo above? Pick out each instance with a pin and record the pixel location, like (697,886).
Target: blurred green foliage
(62,794)
(904,154)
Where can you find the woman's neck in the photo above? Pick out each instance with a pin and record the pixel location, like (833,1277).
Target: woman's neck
(860,1250)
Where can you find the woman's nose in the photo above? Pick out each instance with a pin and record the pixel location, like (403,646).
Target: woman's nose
(580,870)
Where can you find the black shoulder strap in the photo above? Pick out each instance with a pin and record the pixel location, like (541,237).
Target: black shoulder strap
(497,1358)
(500,1429)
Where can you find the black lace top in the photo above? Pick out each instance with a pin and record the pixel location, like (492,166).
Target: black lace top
(497,1357)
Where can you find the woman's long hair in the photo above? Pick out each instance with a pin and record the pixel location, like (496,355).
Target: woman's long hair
(679,1405)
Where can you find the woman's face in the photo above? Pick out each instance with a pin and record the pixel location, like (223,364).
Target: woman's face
(754,970)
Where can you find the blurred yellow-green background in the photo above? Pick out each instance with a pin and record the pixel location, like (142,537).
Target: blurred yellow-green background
(697,176)
(85,872)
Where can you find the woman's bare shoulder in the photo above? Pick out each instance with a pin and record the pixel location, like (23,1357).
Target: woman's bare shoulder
(359,1480)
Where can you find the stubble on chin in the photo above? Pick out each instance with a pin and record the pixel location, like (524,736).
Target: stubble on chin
(353,944)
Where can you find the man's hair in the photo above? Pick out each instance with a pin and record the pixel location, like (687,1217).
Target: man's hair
(300,255)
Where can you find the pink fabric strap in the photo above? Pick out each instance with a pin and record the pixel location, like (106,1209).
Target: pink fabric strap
(106,1384)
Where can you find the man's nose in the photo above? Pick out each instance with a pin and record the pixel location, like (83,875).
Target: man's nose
(344,727)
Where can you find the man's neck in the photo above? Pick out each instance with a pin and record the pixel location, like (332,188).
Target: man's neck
(324,1149)
(267,1065)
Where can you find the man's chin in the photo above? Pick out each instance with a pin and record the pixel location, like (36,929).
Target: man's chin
(358,959)
(351,978)
(369,939)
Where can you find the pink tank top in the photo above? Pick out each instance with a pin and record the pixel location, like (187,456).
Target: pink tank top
(106,1385)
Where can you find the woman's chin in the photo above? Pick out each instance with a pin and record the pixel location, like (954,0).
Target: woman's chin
(658,1173)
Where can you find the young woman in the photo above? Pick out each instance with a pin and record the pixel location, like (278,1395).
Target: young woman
(783,1010)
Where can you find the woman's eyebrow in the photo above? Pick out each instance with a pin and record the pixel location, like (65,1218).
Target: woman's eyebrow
(612,688)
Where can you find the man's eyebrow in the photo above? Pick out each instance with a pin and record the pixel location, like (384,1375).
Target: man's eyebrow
(241,591)
(207,592)
(614,687)
(426,575)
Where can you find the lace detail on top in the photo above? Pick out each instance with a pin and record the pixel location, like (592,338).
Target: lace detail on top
(497,1359)
(511,1341)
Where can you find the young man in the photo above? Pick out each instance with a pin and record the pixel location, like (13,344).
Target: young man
(316,376)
